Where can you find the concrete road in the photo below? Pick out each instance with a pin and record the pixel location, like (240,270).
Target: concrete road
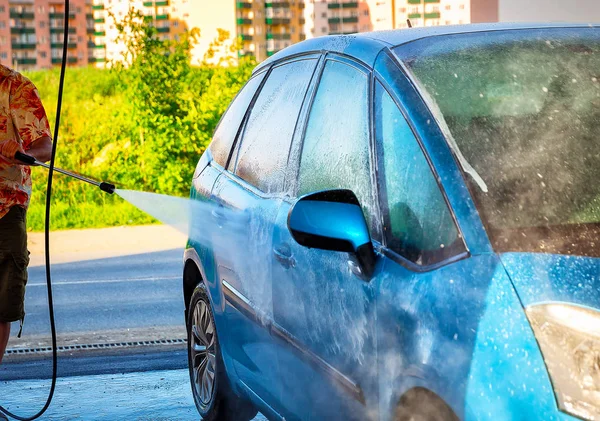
(157,395)
(127,292)
(113,286)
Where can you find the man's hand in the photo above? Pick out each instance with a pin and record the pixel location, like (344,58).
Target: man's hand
(8,149)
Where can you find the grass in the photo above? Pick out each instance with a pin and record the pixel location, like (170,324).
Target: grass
(86,215)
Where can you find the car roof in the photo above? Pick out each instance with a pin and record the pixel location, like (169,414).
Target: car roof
(366,46)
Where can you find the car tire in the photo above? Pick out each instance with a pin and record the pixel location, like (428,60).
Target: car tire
(213,396)
(420,404)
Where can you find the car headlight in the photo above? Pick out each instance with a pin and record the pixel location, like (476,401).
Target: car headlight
(569,337)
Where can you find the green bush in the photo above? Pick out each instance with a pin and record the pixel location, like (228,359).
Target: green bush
(142,126)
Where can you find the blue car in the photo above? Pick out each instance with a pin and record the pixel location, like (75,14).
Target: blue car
(403,225)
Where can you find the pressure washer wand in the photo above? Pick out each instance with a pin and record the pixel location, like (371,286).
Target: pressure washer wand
(30,160)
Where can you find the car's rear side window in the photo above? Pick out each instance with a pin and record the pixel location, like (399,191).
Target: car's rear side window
(224,135)
(419,225)
(267,136)
(336,147)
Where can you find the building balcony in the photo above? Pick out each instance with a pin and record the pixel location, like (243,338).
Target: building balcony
(415,1)
(22,15)
(61,15)
(60,30)
(162,3)
(244,5)
(22,30)
(96,59)
(244,21)
(432,15)
(100,46)
(278,21)
(162,17)
(279,36)
(278,5)
(56,60)
(70,45)
(90,30)
(25,60)
(163,29)
(100,33)
(334,20)
(148,3)
(347,5)
(245,54)
(23,46)
(302,37)
(71,60)
(432,1)
(100,20)
(91,44)
(342,33)
(350,19)
(246,37)
(89,16)
(414,16)
(97,7)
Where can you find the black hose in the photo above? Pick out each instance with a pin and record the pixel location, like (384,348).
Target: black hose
(47,227)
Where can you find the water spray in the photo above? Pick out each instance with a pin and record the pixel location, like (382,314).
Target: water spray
(30,160)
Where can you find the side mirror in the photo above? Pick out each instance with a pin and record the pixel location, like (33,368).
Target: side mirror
(333,220)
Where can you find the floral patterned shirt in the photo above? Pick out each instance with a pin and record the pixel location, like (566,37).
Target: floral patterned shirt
(22,118)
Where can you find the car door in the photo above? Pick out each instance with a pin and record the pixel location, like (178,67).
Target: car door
(250,194)
(323,309)
(430,302)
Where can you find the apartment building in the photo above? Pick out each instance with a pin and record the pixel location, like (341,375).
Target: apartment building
(31,30)
(170,17)
(581,11)
(31,33)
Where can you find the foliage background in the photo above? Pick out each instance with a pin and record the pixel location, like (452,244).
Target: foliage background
(141,126)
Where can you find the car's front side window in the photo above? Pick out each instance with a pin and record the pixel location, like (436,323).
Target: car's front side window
(335,152)
(266,140)
(419,224)
(225,133)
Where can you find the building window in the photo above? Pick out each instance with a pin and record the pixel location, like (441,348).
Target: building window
(176,24)
(324,14)
(42,24)
(2,9)
(403,10)
(448,7)
(43,54)
(461,7)
(2,24)
(4,56)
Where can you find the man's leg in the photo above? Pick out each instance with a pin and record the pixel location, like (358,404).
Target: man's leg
(4,334)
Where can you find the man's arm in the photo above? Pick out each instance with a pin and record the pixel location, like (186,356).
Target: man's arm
(41,149)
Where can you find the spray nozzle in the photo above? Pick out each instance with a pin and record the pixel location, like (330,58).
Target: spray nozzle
(30,160)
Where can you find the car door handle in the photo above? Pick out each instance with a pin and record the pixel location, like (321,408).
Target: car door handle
(284,256)
(218,215)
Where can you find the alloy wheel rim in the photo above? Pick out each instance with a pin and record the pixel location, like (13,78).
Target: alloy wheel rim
(203,355)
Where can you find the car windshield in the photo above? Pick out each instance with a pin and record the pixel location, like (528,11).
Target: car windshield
(521,112)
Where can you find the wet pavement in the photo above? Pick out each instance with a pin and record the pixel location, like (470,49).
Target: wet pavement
(155,395)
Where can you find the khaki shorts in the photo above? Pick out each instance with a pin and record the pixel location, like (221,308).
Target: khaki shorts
(14,259)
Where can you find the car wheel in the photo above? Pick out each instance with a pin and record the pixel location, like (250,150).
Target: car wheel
(420,404)
(212,393)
